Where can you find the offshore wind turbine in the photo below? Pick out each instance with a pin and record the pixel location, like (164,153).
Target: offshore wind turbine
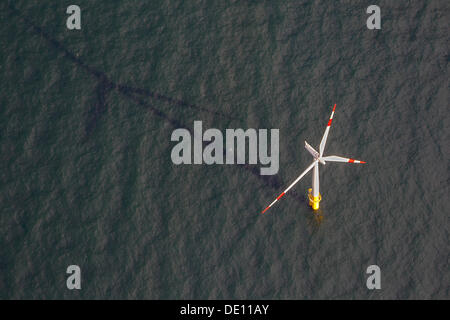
(314,193)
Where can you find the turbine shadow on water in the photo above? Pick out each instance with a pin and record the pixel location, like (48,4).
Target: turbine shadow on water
(96,112)
(105,86)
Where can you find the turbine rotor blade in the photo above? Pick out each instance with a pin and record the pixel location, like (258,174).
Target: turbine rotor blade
(311,150)
(341,159)
(323,142)
(291,185)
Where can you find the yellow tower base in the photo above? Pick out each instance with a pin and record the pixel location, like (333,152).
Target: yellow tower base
(314,201)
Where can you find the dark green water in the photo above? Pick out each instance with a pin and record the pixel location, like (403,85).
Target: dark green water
(87,179)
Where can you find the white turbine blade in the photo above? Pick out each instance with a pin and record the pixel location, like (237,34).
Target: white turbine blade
(292,184)
(341,159)
(311,150)
(325,135)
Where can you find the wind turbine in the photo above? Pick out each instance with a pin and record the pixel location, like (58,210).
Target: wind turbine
(313,193)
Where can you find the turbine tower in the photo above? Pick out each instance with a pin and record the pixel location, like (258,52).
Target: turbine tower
(314,192)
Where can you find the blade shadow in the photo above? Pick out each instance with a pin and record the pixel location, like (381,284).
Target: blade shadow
(137,95)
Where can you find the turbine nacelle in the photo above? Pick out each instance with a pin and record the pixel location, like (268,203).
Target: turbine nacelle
(314,153)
